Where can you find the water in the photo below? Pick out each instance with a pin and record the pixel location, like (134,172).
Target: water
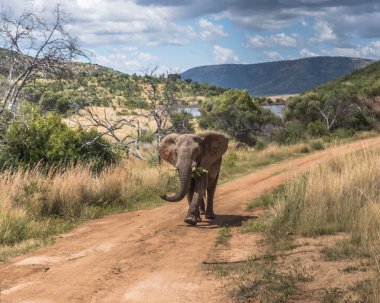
(276,109)
(193,110)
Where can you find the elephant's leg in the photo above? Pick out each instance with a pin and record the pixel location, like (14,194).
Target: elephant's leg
(202,209)
(193,214)
(210,199)
(190,193)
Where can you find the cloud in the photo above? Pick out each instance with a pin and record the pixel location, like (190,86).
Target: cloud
(127,60)
(323,32)
(370,51)
(224,55)
(273,55)
(307,53)
(275,15)
(210,31)
(257,41)
(284,40)
(280,39)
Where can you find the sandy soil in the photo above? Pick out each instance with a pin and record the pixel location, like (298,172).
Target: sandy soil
(150,255)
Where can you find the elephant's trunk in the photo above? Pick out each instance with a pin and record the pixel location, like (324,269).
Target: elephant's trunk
(185,173)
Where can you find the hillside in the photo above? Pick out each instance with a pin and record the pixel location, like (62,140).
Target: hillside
(275,78)
(96,85)
(354,101)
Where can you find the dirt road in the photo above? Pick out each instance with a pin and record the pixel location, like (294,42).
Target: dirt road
(144,256)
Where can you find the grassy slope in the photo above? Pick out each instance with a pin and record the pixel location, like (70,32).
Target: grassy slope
(340,197)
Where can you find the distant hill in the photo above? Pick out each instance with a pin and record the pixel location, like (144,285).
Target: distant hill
(276,78)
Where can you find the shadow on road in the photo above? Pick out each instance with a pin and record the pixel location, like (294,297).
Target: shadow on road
(222,221)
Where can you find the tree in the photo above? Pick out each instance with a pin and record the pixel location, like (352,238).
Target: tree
(163,98)
(237,114)
(32,45)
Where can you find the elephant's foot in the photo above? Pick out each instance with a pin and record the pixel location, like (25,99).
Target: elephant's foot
(210,215)
(192,220)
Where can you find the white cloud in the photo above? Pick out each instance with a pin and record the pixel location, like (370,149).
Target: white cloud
(257,41)
(307,53)
(273,55)
(280,39)
(133,61)
(224,55)
(211,31)
(284,40)
(323,32)
(370,51)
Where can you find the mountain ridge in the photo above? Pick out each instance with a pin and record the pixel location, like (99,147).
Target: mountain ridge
(276,77)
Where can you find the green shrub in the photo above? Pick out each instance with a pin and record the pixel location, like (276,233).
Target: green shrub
(237,114)
(295,131)
(317,129)
(46,140)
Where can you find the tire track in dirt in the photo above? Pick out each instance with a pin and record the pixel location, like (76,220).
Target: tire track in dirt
(145,256)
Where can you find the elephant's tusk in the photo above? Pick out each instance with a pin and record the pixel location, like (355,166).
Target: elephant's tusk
(194,169)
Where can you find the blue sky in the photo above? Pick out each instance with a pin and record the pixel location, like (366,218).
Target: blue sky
(130,35)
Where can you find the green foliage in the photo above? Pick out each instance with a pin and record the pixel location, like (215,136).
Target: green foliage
(316,129)
(48,141)
(237,114)
(295,131)
(181,122)
(348,102)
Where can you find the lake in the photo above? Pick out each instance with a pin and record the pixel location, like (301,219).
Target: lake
(277,109)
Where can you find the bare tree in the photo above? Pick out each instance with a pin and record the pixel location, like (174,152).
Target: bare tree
(107,126)
(163,98)
(162,94)
(336,108)
(31,45)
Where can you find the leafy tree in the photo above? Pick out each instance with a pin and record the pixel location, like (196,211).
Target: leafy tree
(237,114)
(181,122)
(48,141)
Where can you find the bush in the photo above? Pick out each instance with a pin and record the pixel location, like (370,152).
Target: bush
(295,131)
(46,140)
(237,114)
(181,122)
(317,129)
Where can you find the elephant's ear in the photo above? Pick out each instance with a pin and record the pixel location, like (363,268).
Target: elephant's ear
(166,149)
(214,146)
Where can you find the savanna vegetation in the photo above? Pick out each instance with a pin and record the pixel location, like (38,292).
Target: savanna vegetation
(69,132)
(337,202)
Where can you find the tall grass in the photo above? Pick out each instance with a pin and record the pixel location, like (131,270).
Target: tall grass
(343,195)
(236,163)
(35,204)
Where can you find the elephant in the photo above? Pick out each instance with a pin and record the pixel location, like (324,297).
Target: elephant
(197,158)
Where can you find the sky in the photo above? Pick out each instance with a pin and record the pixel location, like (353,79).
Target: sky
(132,35)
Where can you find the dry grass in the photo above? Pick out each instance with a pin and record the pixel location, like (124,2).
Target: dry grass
(342,195)
(242,162)
(34,205)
